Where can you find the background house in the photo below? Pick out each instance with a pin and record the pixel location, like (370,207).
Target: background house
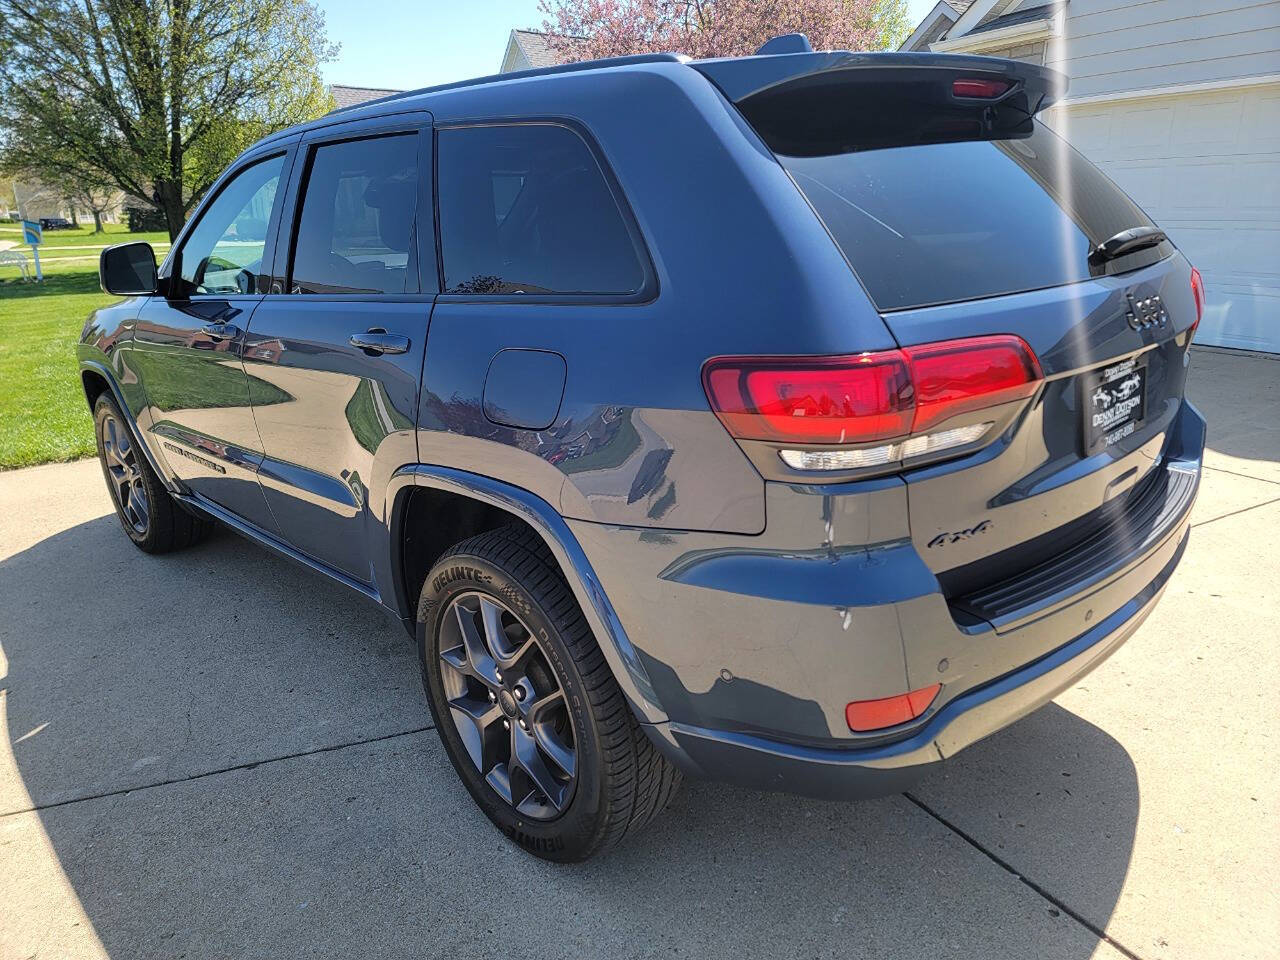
(350,96)
(33,200)
(526,50)
(1179,102)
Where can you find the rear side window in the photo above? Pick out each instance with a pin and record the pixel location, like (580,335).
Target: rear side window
(355,231)
(942,222)
(526,209)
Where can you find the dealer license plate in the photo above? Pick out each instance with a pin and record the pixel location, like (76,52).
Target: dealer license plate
(1115,403)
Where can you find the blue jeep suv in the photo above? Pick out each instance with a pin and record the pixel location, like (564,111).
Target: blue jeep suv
(792,420)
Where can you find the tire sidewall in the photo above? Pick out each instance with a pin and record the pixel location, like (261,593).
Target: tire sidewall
(575,833)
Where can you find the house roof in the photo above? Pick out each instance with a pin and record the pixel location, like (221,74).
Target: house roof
(1021,15)
(533,44)
(935,24)
(350,96)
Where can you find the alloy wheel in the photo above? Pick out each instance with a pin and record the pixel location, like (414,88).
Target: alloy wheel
(507,706)
(125,473)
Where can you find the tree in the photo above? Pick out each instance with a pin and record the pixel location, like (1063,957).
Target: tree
(588,29)
(153,97)
(90,192)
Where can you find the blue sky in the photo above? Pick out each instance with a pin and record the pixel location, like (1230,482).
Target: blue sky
(404,45)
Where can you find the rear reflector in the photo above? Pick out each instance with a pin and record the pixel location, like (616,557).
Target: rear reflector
(865,715)
(1197,292)
(978,89)
(869,397)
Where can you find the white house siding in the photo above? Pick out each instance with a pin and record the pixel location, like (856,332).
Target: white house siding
(1179,102)
(1206,167)
(1030,52)
(1122,45)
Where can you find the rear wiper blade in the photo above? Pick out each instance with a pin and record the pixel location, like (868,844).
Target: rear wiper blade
(1127,241)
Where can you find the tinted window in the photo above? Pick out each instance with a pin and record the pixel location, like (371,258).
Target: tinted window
(958,221)
(223,253)
(355,232)
(526,209)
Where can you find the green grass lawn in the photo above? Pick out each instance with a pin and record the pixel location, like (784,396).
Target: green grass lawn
(43,416)
(81,236)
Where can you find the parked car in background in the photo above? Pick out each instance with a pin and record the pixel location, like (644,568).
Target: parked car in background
(55,223)
(753,432)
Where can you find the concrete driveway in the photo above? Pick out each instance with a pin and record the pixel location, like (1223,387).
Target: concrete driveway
(217,754)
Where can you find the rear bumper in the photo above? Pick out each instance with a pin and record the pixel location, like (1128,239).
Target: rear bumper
(753,645)
(844,773)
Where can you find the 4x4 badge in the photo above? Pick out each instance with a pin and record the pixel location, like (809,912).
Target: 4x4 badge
(943,539)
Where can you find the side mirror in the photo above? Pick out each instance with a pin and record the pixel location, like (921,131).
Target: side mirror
(128,269)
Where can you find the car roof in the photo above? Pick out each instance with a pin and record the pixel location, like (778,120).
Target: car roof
(411,99)
(779,61)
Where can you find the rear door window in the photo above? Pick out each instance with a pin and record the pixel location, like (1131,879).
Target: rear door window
(356,227)
(526,209)
(943,222)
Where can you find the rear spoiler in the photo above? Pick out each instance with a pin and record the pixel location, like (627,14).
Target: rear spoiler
(833,102)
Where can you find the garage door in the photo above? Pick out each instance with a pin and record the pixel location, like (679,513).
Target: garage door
(1206,168)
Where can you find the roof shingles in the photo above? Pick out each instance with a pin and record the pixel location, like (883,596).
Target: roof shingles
(350,96)
(533,44)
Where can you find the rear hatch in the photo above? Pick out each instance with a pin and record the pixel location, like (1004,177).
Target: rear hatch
(963,216)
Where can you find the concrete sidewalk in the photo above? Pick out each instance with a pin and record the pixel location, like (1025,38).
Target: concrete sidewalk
(217,754)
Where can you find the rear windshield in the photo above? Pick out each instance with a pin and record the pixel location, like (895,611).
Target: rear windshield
(941,222)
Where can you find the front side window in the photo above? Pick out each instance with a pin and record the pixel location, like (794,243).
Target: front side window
(355,231)
(223,254)
(526,209)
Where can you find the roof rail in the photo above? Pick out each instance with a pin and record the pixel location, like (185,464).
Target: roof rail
(521,74)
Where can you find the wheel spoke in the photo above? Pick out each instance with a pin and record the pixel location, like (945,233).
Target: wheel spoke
(138,497)
(525,754)
(561,754)
(506,652)
(535,709)
(499,777)
(480,662)
(473,719)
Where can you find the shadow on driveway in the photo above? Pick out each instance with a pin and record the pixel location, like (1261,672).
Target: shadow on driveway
(229,757)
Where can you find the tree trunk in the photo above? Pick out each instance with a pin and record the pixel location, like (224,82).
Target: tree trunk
(97,221)
(169,199)
(75,221)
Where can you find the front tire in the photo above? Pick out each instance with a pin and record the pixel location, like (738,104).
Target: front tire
(525,704)
(151,518)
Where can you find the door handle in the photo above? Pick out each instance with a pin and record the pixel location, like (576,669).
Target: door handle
(377,341)
(220,331)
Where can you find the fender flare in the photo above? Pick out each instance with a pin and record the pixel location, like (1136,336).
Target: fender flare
(102,370)
(622,657)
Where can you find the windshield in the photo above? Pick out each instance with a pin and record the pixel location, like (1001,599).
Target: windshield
(942,222)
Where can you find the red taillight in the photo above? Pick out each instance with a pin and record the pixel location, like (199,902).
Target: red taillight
(865,715)
(870,396)
(974,88)
(812,400)
(1197,293)
(961,375)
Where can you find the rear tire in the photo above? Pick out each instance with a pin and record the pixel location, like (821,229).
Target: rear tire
(603,778)
(151,518)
